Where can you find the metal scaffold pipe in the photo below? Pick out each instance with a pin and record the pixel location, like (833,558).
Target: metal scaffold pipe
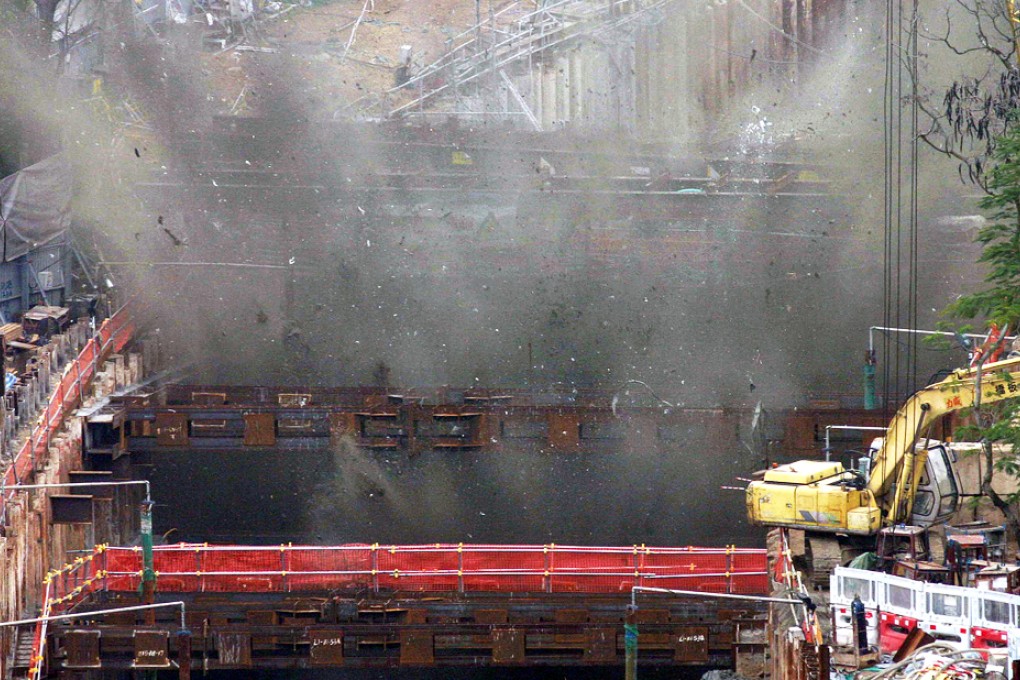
(75,485)
(148,568)
(99,612)
(870,359)
(697,593)
(919,331)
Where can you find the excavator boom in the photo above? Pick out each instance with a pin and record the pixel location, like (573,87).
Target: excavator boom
(895,463)
(821,496)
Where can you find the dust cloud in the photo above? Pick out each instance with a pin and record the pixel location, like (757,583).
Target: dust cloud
(264,252)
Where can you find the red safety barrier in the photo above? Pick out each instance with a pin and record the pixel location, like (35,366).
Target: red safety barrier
(440,568)
(988,638)
(893,630)
(69,585)
(112,336)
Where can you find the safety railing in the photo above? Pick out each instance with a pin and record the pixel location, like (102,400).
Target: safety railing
(494,44)
(440,567)
(111,337)
(436,567)
(64,588)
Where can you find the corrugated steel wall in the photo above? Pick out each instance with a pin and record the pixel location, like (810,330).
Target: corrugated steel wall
(672,75)
(19,288)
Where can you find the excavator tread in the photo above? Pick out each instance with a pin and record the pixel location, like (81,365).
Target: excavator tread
(825,554)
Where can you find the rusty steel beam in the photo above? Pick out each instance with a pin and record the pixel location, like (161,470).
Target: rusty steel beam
(218,642)
(219,417)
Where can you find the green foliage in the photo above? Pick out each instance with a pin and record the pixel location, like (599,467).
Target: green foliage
(1000,239)
(997,424)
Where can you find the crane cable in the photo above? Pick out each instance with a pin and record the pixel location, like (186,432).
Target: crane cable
(900,247)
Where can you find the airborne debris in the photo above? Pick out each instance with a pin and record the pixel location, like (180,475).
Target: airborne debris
(177,241)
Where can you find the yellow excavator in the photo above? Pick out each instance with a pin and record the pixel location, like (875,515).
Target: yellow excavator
(909,479)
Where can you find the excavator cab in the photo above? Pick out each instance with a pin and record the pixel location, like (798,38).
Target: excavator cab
(938,489)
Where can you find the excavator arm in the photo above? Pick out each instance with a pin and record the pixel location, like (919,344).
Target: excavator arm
(898,463)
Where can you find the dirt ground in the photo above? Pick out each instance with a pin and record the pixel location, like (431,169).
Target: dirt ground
(310,45)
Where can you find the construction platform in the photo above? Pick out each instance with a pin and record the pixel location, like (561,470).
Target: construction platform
(372,606)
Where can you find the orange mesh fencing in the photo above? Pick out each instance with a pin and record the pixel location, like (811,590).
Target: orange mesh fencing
(411,568)
(440,568)
(65,588)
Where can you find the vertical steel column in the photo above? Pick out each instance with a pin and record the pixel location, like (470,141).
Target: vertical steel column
(630,644)
(460,568)
(148,572)
(184,654)
(729,568)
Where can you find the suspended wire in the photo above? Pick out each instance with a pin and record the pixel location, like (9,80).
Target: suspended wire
(914,172)
(897,132)
(900,229)
(887,97)
(905,345)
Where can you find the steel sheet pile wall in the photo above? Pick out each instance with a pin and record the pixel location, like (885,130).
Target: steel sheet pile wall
(29,542)
(674,72)
(113,335)
(440,568)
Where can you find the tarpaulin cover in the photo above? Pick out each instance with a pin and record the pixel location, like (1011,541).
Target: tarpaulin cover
(34,206)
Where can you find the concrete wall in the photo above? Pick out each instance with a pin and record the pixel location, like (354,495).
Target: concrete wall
(970,466)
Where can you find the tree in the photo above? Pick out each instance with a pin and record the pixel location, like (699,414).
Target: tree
(966,119)
(995,428)
(999,302)
(976,122)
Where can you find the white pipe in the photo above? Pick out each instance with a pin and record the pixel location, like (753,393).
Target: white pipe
(98,612)
(17,487)
(466,547)
(847,427)
(697,593)
(447,572)
(914,331)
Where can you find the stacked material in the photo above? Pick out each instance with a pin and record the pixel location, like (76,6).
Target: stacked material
(941,661)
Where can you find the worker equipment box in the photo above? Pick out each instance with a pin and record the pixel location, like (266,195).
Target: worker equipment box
(803,471)
(863,519)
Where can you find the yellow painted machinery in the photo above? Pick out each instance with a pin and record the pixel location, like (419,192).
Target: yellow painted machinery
(908,480)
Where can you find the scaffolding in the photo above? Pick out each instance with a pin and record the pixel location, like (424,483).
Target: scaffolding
(499,41)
